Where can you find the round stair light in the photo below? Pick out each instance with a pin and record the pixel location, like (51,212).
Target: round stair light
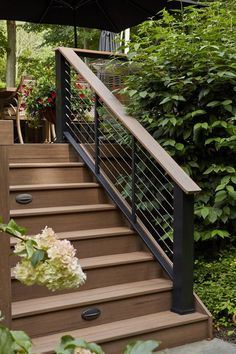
(90,314)
(24,198)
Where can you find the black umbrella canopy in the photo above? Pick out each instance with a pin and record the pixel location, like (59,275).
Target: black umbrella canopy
(111,15)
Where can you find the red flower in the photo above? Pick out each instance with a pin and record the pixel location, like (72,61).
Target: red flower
(78,86)
(50,99)
(82,95)
(53,94)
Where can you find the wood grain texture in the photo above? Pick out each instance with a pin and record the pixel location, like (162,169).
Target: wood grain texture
(68,319)
(42,153)
(58,195)
(49,174)
(5,283)
(97,277)
(171,328)
(84,298)
(6,132)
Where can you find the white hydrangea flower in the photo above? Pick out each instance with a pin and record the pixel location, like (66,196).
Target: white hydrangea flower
(60,270)
(82,351)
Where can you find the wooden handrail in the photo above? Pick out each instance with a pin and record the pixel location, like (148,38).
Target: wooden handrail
(97,54)
(133,126)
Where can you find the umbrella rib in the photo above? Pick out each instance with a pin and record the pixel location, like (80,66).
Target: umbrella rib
(49,5)
(107,17)
(81,3)
(141,8)
(44,13)
(65,3)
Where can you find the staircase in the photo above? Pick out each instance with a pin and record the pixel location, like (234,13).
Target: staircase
(127,291)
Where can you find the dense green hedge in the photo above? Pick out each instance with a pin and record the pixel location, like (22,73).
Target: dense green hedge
(183,89)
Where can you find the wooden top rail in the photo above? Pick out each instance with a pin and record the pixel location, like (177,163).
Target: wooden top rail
(97,54)
(134,127)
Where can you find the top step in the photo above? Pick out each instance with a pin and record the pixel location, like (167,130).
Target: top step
(42,153)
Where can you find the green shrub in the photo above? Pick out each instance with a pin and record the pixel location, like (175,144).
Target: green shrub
(215,283)
(184,92)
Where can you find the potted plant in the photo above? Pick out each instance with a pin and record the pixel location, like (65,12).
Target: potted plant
(40,100)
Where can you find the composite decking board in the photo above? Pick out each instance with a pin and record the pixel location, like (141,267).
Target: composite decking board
(113,260)
(94,296)
(90,234)
(45,164)
(121,329)
(54,186)
(61,210)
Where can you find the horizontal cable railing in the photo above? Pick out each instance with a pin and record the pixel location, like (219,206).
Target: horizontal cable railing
(150,188)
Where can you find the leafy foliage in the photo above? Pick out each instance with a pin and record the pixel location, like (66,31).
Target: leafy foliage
(183,91)
(14,342)
(215,283)
(141,347)
(68,345)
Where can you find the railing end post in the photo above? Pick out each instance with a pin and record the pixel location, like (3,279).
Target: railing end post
(182,296)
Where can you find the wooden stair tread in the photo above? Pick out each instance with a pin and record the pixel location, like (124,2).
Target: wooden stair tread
(121,329)
(113,260)
(90,234)
(61,210)
(45,164)
(54,186)
(94,296)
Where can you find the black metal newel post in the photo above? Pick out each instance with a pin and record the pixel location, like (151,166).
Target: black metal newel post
(96,129)
(62,92)
(134,178)
(182,298)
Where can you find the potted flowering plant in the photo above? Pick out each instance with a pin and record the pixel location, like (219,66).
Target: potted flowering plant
(41,100)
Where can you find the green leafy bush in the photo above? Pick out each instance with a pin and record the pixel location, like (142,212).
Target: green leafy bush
(183,90)
(215,283)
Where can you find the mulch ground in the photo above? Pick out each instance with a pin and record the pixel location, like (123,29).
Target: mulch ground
(223,334)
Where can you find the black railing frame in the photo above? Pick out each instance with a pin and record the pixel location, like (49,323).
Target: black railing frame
(182,270)
(62,89)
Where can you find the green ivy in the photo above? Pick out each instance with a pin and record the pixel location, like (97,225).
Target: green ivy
(183,90)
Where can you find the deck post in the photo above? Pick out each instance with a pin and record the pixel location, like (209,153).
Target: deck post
(182,298)
(62,92)
(5,269)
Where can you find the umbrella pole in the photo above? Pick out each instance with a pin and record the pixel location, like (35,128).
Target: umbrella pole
(75,37)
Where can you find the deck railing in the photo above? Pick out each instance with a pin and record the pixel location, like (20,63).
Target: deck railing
(149,187)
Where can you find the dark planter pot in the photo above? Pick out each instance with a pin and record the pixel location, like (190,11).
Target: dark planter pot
(49,114)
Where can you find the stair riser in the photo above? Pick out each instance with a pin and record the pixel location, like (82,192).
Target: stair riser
(71,221)
(169,337)
(59,197)
(102,246)
(49,175)
(42,153)
(69,319)
(96,278)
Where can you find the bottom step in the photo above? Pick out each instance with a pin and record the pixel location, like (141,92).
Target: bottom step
(169,328)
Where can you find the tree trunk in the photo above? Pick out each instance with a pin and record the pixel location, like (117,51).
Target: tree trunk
(11,54)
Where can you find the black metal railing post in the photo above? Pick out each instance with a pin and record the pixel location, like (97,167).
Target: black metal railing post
(182,296)
(97,134)
(134,179)
(62,91)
